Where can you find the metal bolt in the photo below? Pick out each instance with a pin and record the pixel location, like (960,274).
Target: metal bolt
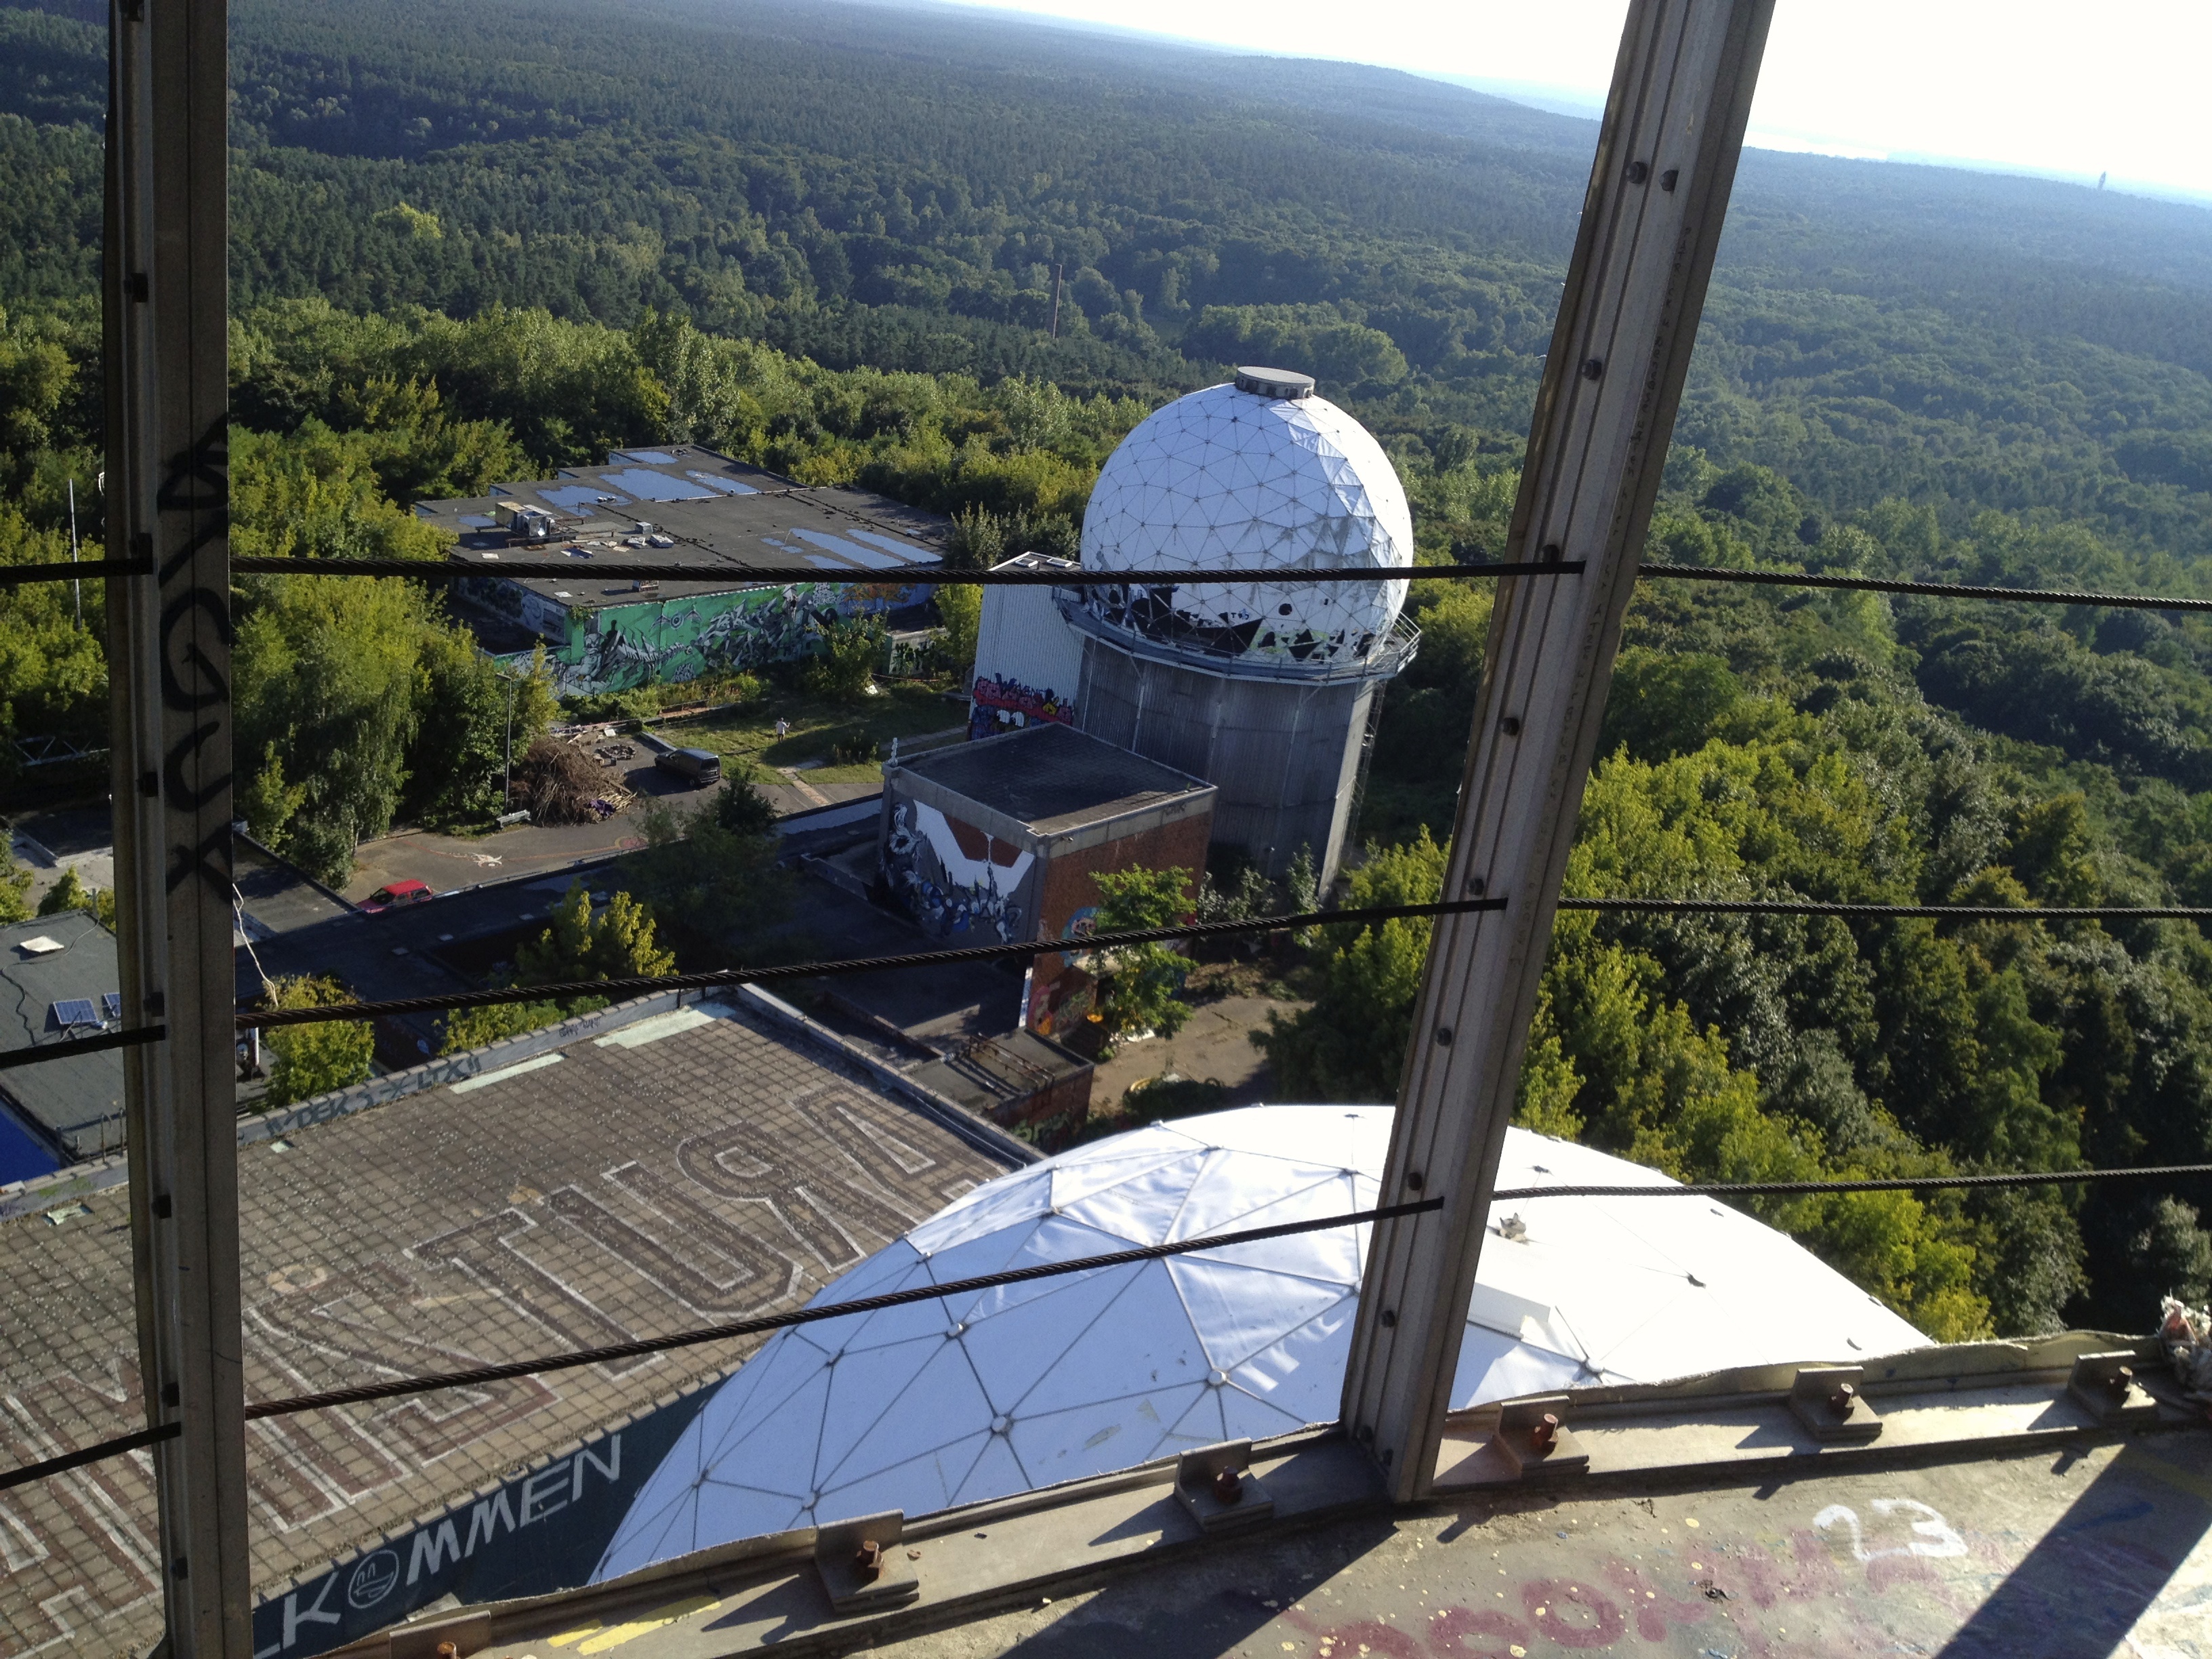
(1552,551)
(1444,1036)
(1667,178)
(1510,726)
(868,1559)
(1227,1488)
(1390,1319)
(449,1650)
(1475,885)
(1593,369)
(1841,1401)
(2119,1382)
(1413,1180)
(1638,172)
(1544,1432)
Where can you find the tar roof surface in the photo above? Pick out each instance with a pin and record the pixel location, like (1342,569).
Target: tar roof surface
(1052,777)
(580,1197)
(722,514)
(74,1105)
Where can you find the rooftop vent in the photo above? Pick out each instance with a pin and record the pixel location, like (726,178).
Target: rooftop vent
(1284,383)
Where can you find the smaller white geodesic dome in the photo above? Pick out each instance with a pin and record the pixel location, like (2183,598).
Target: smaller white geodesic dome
(1239,477)
(938,1403)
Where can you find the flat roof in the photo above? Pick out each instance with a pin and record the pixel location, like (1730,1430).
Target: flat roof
(75,1106)
(1053,778)
(603,1187)
(722,514)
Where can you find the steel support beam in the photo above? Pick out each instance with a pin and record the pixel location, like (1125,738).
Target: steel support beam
(1666,161)
(167,500)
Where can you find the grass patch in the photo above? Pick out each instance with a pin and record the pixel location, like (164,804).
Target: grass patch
(819,727)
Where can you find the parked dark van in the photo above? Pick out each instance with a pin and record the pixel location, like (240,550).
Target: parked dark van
(703,766)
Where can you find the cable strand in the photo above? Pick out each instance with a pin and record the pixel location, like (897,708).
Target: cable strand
(1925,590)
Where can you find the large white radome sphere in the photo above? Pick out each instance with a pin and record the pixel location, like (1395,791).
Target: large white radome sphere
(1228,478)
(964,1398)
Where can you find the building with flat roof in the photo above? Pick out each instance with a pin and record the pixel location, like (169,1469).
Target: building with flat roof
(608,630)
(647,1170)
(60,977)
(1000,839)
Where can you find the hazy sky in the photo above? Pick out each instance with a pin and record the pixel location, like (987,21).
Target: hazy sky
(2038,84)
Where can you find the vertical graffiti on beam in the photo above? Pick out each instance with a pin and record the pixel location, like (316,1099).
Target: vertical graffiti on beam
(194,773)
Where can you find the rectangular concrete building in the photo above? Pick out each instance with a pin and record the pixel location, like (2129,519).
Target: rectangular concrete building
(58,981)
(607,630)
(999,840)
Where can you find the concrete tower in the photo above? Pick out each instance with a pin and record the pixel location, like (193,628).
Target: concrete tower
(1263,689)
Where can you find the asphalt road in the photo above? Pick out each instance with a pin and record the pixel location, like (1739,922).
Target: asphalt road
(447,862)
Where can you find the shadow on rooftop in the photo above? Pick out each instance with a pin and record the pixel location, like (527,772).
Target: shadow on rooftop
(2095,1573)
(1129,1614)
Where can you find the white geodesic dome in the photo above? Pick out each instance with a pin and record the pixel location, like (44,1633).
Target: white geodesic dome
(1232,479)
(939,1402)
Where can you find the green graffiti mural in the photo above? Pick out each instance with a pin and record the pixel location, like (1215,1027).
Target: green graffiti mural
(622,646)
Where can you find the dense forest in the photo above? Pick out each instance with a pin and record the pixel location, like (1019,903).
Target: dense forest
(471,242)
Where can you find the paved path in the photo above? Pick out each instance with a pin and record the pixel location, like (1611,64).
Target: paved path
(1215,1042)
(450,862)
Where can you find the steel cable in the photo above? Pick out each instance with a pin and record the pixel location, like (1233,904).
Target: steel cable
(1897,1184)
(896,576)
(451,570)
(1893,912)
(74,1045)
(729,978)
(1926,589)
(480,1375)
(400,1388)
(733,976)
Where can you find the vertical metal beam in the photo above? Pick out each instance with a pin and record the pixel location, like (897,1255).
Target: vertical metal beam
(1665,162)
(169,491)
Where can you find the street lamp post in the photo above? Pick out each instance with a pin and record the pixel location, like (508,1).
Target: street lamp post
(506,780)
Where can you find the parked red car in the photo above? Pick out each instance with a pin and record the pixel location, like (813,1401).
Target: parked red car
(398,892)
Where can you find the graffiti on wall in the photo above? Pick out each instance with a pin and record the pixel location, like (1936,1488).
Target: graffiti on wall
(999,704)
(950,888)
(666,642)
(1062,990)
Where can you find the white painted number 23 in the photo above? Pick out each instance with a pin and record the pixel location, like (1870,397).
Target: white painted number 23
(1935,1536)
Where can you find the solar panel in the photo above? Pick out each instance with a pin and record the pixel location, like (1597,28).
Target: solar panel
(110,1004)
(74,1011)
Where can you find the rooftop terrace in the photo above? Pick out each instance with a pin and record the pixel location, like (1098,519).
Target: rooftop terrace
(703,508)
(545,1195)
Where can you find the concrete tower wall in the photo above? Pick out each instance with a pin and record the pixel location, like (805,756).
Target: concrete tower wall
(1285,756)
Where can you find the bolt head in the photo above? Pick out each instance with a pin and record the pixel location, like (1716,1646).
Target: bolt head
(1228,1488)
(1544,1433)
(1843,1399)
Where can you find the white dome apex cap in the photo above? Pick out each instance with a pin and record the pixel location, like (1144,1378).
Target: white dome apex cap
(1285,384)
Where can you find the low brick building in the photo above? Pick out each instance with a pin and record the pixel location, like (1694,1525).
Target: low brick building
(1000,839)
